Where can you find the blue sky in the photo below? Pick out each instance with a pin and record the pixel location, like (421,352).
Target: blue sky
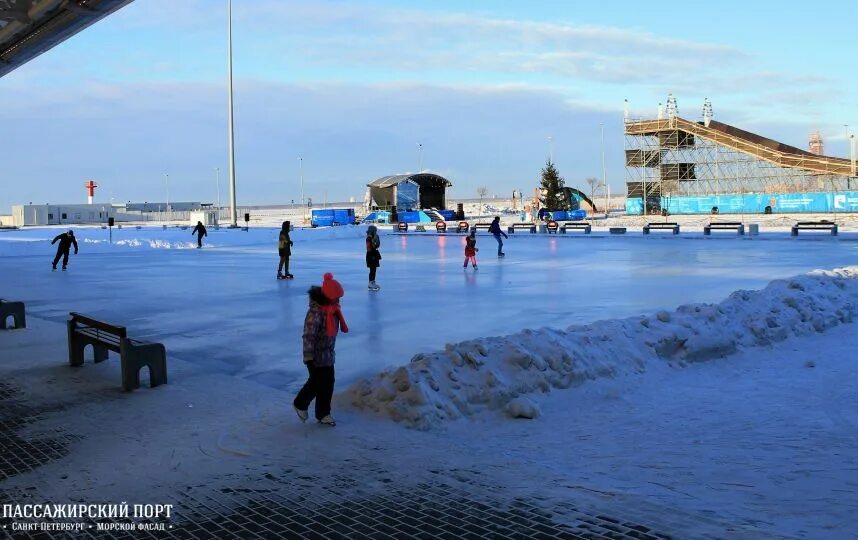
(353,87)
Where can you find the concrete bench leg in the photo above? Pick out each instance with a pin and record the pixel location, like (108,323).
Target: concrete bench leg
(100,352)
(707,231)
(135,357)
(646,230)
(793,231)
(834,230)
(76,346)
(14,310)
(588,230)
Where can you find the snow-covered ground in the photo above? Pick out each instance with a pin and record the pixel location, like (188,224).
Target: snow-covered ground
(740,414)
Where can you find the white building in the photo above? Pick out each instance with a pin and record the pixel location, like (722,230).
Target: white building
(62,214)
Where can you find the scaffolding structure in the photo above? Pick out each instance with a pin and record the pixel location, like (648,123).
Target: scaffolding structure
(674,157)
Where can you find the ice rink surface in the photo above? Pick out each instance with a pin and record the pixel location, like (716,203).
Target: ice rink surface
(222,307)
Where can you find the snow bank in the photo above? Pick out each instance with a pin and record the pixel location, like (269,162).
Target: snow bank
(491,373)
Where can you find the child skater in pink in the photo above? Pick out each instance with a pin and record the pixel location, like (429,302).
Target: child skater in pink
(471,249)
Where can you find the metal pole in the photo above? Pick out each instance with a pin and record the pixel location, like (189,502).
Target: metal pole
(233,209)
(217,183)
(167,185)
(301,175)
(604,172)
(419,157)
(851,140)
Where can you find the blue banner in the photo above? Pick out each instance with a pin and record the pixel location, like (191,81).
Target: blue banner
(755,203)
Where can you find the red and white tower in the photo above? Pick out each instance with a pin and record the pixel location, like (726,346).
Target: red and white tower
(90,191)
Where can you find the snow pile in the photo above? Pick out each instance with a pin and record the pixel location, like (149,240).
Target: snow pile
(491,373)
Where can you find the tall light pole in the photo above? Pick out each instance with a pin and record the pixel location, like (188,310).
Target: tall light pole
(232,209)
(167,187)
(604,172)
(852,153)
(419,157)
(217,185)
(301,176)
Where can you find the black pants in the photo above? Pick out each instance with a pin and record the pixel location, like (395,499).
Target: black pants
(284,264)
(199,240)
(319,386)
(372,270)
(64,253)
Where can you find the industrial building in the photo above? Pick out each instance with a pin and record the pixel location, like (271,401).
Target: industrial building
(29,215)
(679,166)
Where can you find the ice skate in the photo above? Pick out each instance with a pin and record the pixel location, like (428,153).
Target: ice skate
(280,276)
(328,421)
(303,415)
(373,286)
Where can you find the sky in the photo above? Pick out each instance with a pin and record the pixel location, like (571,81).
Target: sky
(480,91)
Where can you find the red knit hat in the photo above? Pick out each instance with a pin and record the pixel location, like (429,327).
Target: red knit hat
(331,288)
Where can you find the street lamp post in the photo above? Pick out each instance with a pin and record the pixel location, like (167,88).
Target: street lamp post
(217,185)
(419,157)
(301,176)
(604,172)
(232,209)
(167,186)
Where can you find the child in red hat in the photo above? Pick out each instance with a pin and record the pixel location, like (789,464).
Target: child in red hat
(324,319)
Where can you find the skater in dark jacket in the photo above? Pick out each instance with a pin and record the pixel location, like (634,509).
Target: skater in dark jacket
(373,255)
(495,229)
(200,231)
(284,248)
(66,240)
(324,319)
(471,249)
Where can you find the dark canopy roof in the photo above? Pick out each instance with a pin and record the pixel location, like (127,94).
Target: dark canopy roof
(30,27)
(421,179)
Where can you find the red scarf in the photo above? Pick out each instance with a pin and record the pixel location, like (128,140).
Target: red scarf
(334,319)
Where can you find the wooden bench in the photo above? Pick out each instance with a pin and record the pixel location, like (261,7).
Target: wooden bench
(463,227)
(134,354)
(552,227)
(724,226)
(14,310)
(576,226)
(661,225)
(531,227)
(482,226)
(814,226)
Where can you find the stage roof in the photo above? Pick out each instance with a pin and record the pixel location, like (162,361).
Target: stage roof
(30,27)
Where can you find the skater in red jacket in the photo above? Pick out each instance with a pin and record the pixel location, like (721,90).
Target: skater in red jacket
(471,249)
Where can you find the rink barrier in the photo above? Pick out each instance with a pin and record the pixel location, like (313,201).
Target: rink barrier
(531,227)
(814,226)
(134,354)
(724,226)
(661,226)
(15,310)
(576,226)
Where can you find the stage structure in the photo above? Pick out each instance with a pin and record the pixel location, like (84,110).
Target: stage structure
(684,166)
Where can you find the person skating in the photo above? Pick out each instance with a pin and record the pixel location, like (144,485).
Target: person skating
(200,231)
(495,229)
(324,319)
(284,248)
(66,240)
(373,255)
(471,249)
